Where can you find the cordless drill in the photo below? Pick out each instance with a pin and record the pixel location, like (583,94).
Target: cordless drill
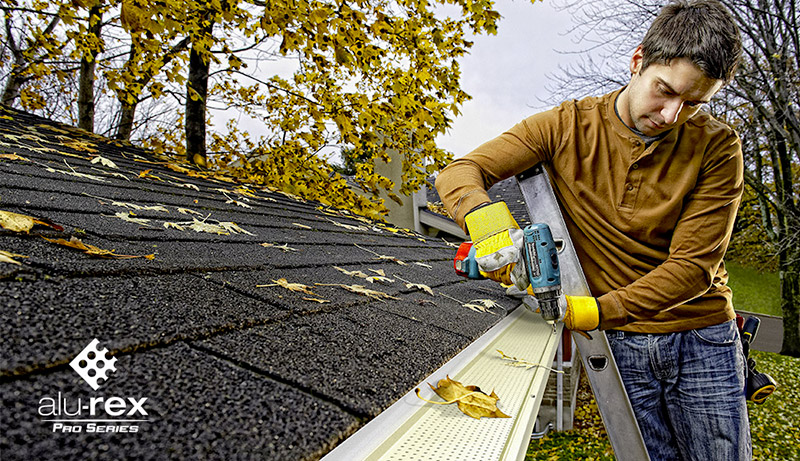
(540,260)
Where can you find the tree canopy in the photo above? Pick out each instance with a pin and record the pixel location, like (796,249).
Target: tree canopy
(315,76)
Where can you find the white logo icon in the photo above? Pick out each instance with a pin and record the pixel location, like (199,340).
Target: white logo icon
(92,364)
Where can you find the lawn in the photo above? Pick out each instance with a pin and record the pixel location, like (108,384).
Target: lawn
(755,291)
(775,425)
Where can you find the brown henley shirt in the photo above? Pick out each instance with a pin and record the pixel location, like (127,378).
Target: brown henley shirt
(650,224)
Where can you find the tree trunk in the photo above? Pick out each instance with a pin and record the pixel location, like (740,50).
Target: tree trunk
(196,94)
(86,79)
(790,296)
(126,118)
(12,89)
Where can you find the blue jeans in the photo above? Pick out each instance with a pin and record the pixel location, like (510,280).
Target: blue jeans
(687,391)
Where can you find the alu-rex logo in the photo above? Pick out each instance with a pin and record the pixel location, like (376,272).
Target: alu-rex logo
(96,414)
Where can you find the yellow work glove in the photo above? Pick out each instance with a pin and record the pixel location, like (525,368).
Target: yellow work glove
(582,314)
(497,240)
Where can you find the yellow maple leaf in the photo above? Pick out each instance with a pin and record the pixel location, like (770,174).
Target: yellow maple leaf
(16,222)
(472,401)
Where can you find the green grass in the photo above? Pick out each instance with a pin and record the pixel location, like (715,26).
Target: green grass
(774,425)
(754,291)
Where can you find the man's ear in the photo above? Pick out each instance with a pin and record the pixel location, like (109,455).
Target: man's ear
(636,60)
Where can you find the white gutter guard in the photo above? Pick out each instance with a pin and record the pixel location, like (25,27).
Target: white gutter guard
(415,430)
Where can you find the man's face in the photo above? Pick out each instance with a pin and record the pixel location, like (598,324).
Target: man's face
(662,97)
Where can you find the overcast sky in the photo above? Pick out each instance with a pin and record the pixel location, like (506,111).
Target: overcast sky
(506,73)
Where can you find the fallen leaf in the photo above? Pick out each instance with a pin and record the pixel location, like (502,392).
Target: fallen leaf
(104,161)
(359,289)
(428,266)
(76,174)
(296,287)
(6,257)
(420,287)
(472,401)
(94,251)
(382,257)
(234,228)
(351,273)
(317,300)
(16,222)
(285,247)
(301,226)
(13,157)
(134,206)
(515,362)
(128,217)
(172,225)
(347,226)
(188,211)
(82,146)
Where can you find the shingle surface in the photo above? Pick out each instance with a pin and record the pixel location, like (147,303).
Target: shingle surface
(234,364)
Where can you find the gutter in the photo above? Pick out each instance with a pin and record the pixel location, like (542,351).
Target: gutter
(413,429)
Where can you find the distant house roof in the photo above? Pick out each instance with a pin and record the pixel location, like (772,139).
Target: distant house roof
(249,332)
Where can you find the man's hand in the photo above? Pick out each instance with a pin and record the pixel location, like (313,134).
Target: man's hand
(582,314)
(498,240)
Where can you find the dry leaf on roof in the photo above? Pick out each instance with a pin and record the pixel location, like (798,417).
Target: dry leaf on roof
(348,226)
(285,247)
(94,251)
(146,174)
(361,290)
(173,225)
(134,206)
(6,257)
(296,287)
(75,174)
(104,161)
(185,184)
(16,222)
(417,286)
(202,226)
(351,273)
(12,157)
(382,257)
(129,217)
(232,227)
(369,278)
(76,144)
(428,266)
(316,300)
(472,401)
(301,226)
(522,363)
(484,305)
(188,211)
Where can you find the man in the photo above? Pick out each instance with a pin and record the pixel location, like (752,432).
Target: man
(649,185)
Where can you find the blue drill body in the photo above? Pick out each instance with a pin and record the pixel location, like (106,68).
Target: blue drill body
(540,258)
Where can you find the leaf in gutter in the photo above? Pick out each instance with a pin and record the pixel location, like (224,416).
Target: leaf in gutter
(472,401)
(94,251)
(128,217)
(296,287)
(16,222)
(6,257)
(104,161)
(522,363)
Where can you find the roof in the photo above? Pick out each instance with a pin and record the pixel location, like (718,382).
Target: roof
(206,336)
(506,190)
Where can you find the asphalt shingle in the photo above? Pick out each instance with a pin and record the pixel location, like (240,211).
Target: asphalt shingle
(229,369)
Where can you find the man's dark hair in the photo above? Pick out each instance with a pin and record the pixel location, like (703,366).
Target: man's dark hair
(702,31)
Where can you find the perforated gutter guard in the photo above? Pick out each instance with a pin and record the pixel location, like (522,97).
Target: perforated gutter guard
(415,430)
